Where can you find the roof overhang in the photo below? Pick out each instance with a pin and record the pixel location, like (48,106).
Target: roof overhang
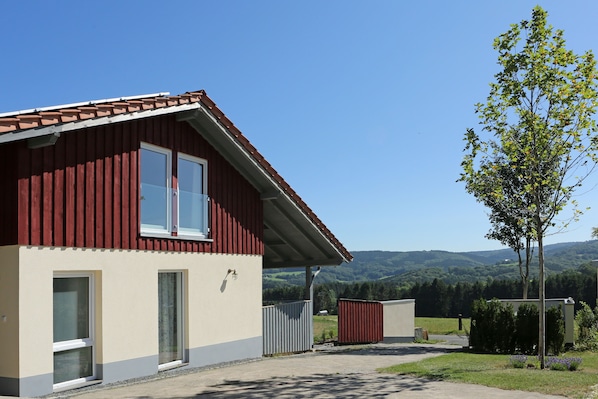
(291,237)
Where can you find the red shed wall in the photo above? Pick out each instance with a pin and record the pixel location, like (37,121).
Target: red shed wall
(360,321)
(83,191)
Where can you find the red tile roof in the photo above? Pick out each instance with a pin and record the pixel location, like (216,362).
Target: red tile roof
(16,122)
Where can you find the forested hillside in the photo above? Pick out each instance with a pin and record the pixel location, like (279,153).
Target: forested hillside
(407,268)
(443,284)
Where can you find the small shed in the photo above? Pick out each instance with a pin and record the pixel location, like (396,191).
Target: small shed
(399,320)
(359,321)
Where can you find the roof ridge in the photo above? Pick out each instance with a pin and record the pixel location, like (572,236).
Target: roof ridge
(82,103)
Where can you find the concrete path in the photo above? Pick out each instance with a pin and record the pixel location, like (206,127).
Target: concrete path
(332,372)
(460,340)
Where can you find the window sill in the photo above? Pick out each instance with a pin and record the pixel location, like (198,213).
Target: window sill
(177,237)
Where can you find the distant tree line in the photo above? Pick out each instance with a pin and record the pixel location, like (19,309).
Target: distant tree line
(437,299)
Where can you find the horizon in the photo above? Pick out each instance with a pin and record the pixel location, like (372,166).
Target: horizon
(481,250)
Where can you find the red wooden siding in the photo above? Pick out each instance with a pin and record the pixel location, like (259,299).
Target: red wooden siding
(83,191)
(9,195)
(360,321)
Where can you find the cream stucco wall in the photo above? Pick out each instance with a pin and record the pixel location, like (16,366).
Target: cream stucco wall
(219,309)
(399,318)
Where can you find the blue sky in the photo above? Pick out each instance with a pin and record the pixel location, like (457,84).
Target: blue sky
(360,105)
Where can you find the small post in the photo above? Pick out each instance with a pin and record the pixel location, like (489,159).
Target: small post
(460,322)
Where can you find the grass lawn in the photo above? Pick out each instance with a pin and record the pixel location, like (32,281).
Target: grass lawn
(494,371)
(325,326)
(443,326)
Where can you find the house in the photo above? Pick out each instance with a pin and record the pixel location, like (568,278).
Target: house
(134,233)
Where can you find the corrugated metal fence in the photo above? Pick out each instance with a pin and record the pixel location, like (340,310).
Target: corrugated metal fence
(287,328)
(360,321)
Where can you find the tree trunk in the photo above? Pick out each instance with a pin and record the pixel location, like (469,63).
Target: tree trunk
(528,259)
(542,298)
(524,275)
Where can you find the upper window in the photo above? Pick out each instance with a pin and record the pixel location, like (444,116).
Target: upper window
(156,198)
(192,198)
(173,204)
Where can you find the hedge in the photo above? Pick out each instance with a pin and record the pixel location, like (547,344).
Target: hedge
(495,328)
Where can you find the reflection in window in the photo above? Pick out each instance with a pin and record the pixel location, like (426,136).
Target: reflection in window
(155,189)
(73,341)
(173,203)
(192,206)
(170,317)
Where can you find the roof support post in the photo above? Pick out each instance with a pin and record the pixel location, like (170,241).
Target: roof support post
(309,295)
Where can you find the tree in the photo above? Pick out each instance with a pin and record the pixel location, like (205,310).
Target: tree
(538,124)
(507,211)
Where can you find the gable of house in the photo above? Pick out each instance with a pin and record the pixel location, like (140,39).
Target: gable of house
(78,180)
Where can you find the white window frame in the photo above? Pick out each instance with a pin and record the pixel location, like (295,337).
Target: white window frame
(172,205)
(181,315)
(188,233)
(62,346)
(153,232)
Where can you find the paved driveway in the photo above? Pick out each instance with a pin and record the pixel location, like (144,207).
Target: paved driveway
(460,340)
(335,372)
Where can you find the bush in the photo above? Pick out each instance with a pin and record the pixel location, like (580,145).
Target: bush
(518,361)
(586,320)
(496,329)
(557,366)
(526,327)
(492,327)
(563,363)
(555,330)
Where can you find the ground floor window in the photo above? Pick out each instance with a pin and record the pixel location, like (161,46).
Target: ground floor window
(170,319)
(73,329)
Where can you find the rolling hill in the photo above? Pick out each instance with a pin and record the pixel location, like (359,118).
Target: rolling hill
(405,268)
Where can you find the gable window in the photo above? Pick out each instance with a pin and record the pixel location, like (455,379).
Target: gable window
(173,197)
(156,202)
(192,199)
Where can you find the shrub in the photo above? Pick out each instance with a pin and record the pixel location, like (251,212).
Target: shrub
(586,320)
(496,329)
(555,330)
(518,361)
(492,327)
(563,363)
(526,327)
(557,366)
(575,363)
(505,320)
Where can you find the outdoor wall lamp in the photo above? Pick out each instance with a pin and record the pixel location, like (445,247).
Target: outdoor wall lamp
(233,272)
